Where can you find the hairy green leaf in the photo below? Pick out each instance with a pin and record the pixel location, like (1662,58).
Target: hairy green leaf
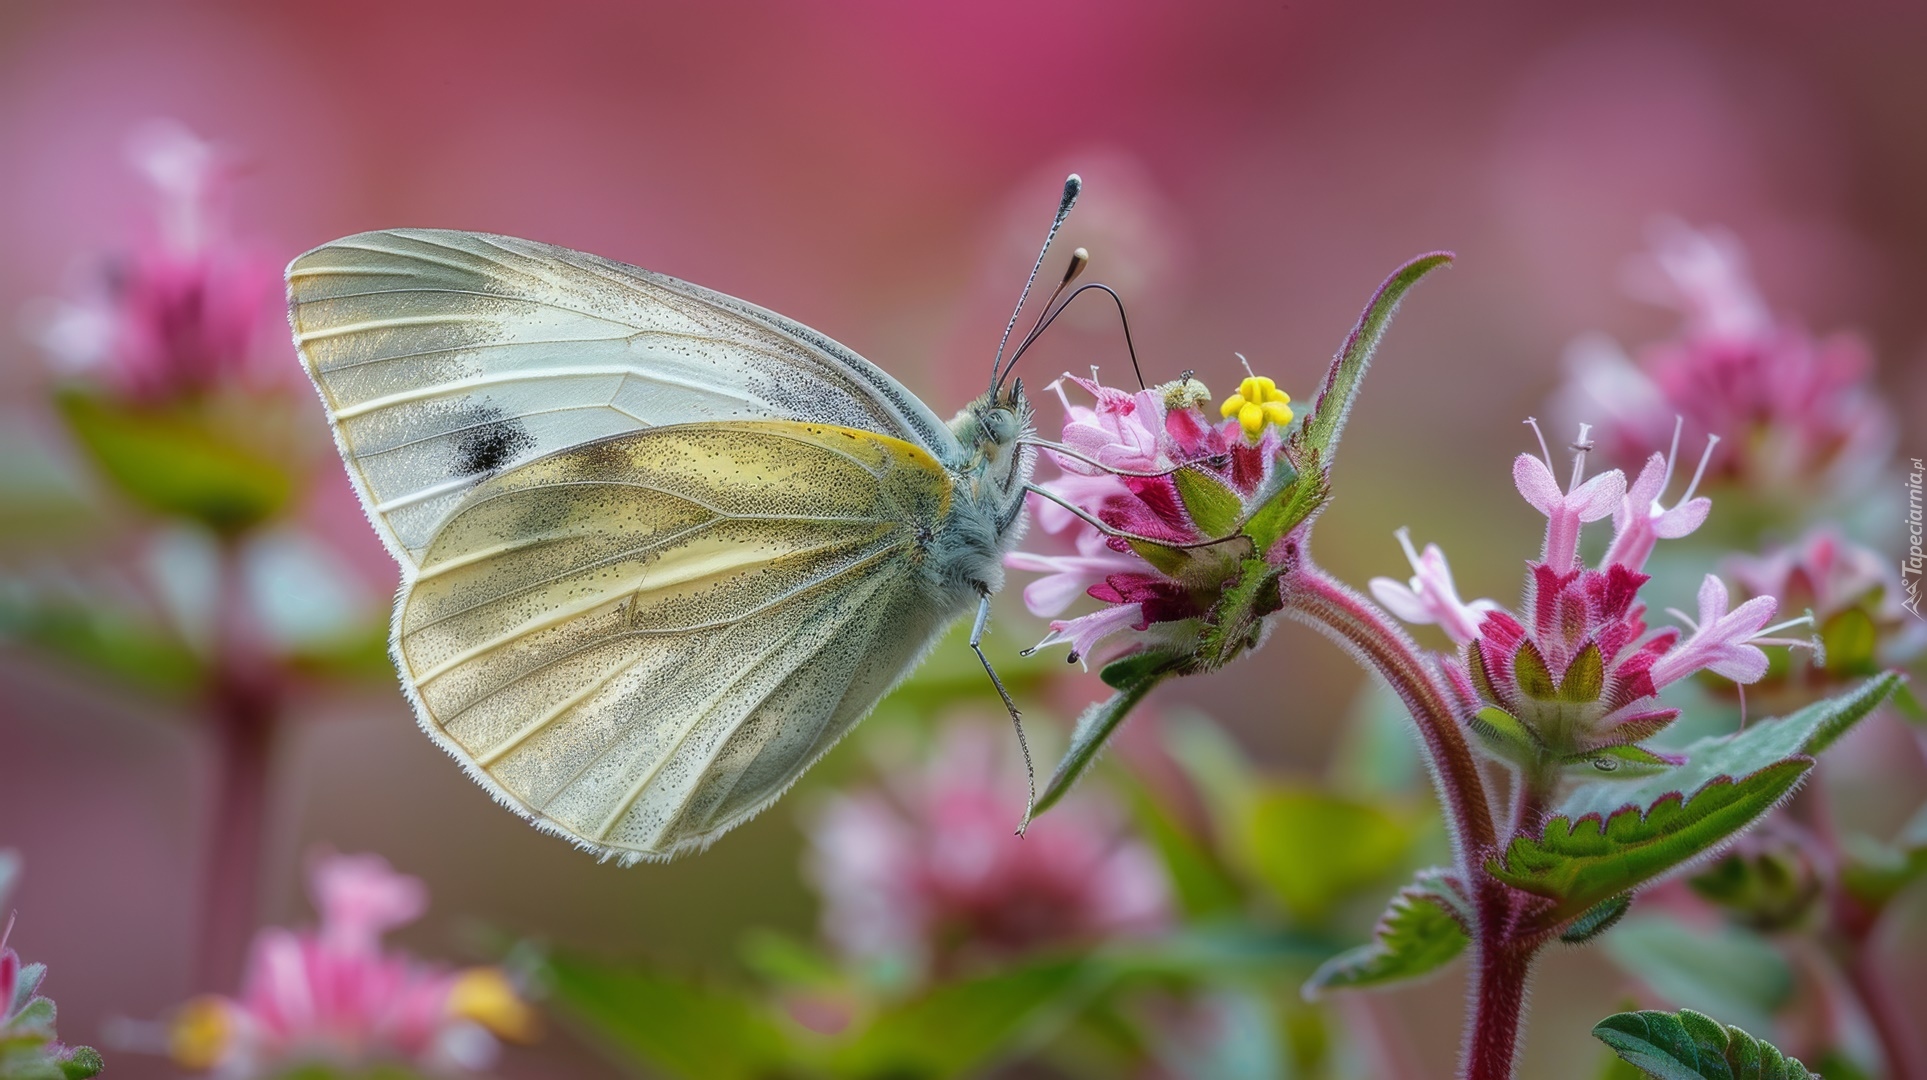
(1760,744)
(1581,862)
(1095,728)
(1693,1046)
(670,1025)
(1292,498)
(1424,929)
(1347,370)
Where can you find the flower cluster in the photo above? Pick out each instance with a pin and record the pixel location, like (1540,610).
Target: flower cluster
(1854,595)
(182,313)
(1571,678)
(1137,472)
(334,995)
(922,871)
(1800,413)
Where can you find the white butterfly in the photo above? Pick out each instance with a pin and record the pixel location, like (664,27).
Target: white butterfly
(660,548)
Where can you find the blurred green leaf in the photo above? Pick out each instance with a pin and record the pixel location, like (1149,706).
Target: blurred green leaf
(1762,743)
(959,1027)
(361,656)
(1204,887)
(1378,755)
(1315,849)
(1693,1046)
(669,1024)
(1874,873)
(1767,890)
(173,463)
(787,961)
(1850,640)
(1347,372)
(1722,968)
(1426,927)
(116,644)
(1583,862)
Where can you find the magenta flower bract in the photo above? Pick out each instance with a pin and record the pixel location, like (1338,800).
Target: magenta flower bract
(1799,413)
(923,870)
(335,995)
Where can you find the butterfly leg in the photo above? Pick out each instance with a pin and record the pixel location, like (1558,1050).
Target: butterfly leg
(1016,718)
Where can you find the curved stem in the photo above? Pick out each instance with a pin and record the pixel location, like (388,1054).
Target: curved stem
(1356,623)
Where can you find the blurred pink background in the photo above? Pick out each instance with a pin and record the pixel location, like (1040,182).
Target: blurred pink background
(882,172)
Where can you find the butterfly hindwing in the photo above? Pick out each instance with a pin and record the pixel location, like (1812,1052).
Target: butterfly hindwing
(448,357)
(642,641)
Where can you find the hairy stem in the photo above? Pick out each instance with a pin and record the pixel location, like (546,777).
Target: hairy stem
(1355,622)
(244,705)
(1502,967)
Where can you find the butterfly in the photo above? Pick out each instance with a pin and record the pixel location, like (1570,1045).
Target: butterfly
(660,548)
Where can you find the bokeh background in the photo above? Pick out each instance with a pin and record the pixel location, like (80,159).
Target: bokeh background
(883,172)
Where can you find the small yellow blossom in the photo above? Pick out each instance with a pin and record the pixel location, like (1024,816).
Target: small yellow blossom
(1258,402)
(484,995)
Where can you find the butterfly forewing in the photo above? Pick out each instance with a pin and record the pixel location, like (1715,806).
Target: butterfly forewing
(447,357)
(641,641)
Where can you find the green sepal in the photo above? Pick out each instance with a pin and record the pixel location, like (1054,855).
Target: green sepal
(1099,721)
(1342,380)
(174,463)
(1295,494)
(1128,670)
(1529,671)
(1585,677)
(1214,508)
(1425,928)
(1583,862)
(1693,1046)
(1501,733)
(1235,621)
(1597,919)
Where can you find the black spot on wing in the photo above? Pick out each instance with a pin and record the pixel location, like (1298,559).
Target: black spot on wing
(489,446)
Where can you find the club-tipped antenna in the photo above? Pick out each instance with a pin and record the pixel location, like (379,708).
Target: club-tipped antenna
(1080,259)
(1073,186)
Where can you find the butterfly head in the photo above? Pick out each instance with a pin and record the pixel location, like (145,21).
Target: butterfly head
(997,464)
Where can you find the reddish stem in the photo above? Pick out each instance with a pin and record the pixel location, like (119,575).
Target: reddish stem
(244,705)
(1502,968)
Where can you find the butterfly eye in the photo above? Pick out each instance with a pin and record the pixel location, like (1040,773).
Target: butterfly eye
(1000,425)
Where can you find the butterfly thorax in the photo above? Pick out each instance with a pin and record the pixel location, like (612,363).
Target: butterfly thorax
(987,516)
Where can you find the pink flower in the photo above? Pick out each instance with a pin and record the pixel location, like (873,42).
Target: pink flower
(1800,414)
(923,870)
(334,995)
(1119,494)
(180,315)
(1856,595)
(1431,597)
(1572,677)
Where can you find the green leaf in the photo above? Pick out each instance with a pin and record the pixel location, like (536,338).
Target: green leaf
(1347,371)
(1093,730)
(112,643)
(1597,920)
(1233,623)
(1580,863)
(1214,508)
(960,1027)
(1424,929)
(174,464)
(670,1025)
(1315,849)
(1760,744)
(1693,1046)
(1203,886)
(1713,967)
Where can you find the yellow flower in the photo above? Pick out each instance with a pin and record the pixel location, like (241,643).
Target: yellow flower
(1258,402)
(200,1033)
(484,995)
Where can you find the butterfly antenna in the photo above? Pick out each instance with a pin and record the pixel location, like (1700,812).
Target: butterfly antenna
(1051,317)
(1080,259)
(1073,186)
